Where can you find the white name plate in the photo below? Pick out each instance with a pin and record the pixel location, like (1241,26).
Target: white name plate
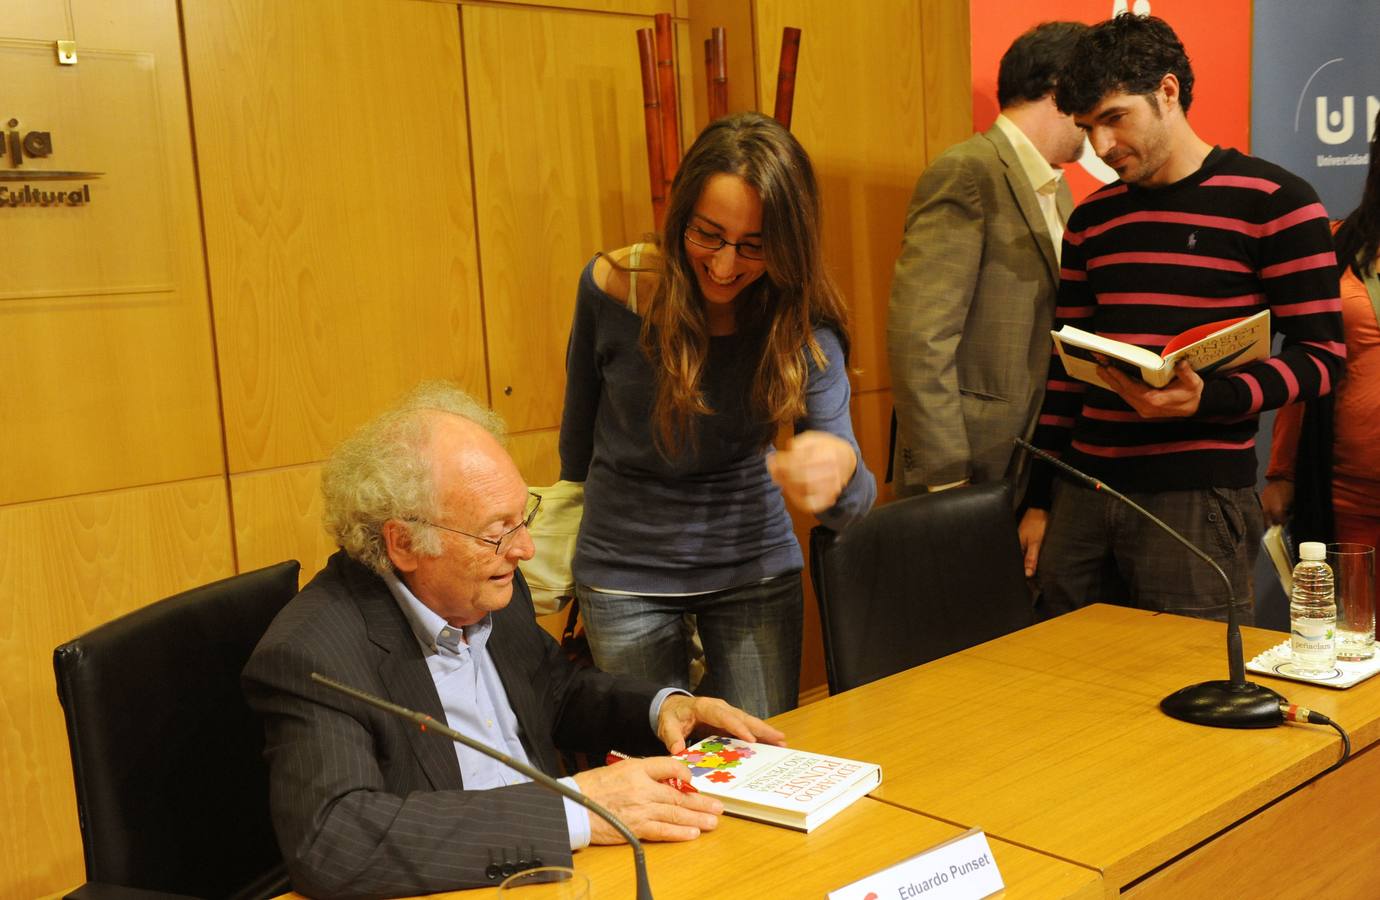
(961,868)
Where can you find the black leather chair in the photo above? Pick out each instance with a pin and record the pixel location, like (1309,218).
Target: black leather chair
(172,788)
(918,579)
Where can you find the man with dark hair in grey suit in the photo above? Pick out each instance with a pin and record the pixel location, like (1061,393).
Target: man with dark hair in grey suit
(425,606)
(972,299)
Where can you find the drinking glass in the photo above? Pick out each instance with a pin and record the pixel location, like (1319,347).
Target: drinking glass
(1353,573)
(546,883)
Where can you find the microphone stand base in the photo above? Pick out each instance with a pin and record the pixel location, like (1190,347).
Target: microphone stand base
(1226,704)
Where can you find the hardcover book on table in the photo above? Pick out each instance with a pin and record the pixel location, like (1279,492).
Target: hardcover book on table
(1208,348)
(778,785)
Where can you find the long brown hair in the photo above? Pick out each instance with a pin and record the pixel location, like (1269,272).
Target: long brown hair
(1358,240)
(777,313)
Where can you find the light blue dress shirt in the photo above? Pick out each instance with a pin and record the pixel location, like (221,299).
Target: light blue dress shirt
(476,705)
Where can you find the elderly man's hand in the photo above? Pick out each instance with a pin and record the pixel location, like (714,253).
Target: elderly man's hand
(1177,399)
(633,791)
(681,716)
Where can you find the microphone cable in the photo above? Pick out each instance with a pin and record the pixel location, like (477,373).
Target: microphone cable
(1295,713)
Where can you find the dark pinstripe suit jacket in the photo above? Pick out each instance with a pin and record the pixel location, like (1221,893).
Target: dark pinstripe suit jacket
(364,803)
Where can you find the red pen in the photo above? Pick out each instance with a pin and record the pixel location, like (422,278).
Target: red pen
(684,787)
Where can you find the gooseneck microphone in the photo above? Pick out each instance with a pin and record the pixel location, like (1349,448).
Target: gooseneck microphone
(428,723)
(1234,703)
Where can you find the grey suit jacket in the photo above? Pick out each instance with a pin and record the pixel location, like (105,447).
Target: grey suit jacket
(972,302)
(364,803)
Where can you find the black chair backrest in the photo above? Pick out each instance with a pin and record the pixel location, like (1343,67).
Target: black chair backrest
(918,579)
(172,788)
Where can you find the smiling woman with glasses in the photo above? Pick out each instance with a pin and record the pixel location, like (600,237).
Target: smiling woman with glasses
(710,240)
(688,355)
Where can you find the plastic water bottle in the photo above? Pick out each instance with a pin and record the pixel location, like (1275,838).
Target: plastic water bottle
(1313,613)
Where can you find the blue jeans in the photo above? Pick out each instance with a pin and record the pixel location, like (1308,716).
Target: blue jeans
(1098,550)
(751,636)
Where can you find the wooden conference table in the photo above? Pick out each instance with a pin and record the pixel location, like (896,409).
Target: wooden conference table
(1051,741)
(1051,738)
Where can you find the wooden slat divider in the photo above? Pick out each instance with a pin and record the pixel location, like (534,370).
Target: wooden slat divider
(785,75)
(667,93)
(651,105)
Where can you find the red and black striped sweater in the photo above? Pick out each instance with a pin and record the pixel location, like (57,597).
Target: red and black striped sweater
(1141,265)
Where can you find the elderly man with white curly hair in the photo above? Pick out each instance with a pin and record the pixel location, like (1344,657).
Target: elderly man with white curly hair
(425,605)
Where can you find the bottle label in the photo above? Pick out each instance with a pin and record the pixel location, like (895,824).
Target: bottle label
(1312,636)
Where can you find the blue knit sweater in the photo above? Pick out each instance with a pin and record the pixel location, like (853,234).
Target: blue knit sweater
(707,519)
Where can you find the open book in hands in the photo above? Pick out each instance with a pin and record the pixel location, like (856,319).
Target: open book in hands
(1208,348)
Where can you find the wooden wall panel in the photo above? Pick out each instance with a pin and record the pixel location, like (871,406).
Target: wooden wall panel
(102,390)
(100,397)
(735,17)
(689,66)
(49,21)
(860,112)
(536,455)
(339,222)
(629,7)
(560,171)
(278,517)
(947,50)
(67,566)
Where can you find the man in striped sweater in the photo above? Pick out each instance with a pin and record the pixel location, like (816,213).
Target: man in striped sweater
(1190,234)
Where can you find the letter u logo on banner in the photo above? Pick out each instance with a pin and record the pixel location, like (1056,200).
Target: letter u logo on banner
(1328,122)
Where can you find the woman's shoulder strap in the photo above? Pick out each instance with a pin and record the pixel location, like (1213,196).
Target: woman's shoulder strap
(619,272)
(634,261)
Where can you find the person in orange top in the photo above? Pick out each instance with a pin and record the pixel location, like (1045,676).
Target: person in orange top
(1323,459)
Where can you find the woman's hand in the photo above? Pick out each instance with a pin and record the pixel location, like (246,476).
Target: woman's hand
(1277,501)
(813,469)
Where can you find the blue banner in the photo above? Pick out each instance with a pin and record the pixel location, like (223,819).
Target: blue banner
(1315,92)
